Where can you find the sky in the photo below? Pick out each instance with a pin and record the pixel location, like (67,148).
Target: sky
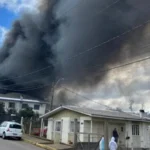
(120,85)
(10,10)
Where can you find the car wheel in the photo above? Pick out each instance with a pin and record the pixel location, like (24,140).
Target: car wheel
(19,138)
(4,136)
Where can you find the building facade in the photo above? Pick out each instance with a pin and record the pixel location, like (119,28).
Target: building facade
(20,103)
(91,126)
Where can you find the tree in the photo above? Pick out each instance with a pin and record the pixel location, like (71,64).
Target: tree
(26,113)
(2,110)
(11,111)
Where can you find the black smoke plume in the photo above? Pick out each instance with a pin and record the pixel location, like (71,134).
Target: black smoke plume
(59,32)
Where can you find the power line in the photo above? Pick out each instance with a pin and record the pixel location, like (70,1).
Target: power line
(20,83)
(34,72)
(90,49)
(105,70)
(49,66)
(85,97)
(136,27)
(123,65)
(111,39)
(141,46)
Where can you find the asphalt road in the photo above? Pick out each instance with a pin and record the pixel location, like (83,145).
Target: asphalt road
(16,145)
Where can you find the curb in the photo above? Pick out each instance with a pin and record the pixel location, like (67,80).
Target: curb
(28,141)
(45,147)
(39,145)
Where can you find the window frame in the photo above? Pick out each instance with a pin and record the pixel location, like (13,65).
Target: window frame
(78,126)
(135,130)
(60,125)
(12,103)
(12,126)
(24,104)
(36,105)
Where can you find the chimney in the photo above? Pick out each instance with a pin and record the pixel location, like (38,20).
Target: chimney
(142,112)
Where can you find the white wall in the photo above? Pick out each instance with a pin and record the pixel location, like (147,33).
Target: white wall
(65,129)
(50,129)
(138,141)
(18,106)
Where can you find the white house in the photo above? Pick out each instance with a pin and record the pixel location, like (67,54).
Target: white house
(20,103)
(91,124)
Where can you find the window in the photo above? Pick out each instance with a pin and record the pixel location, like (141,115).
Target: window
(11,105)
(135,130)
(72,126)
(24,106)
(121,129)
(58,126)
(36,107)
(15,126)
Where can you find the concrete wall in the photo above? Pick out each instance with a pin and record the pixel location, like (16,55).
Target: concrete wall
(138,141)
(66,116)
(18,106)
(96,127)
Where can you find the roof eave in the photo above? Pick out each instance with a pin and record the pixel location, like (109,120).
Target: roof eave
(60,109)
(52,112)
(121,118)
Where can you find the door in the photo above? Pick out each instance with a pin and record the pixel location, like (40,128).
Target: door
(50,129)
(121,135)
(65,130)
(120,130)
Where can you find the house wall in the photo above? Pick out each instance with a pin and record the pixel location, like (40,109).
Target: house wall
(96,127)
(138,141)
(97,130)
(65,136)
(18,106)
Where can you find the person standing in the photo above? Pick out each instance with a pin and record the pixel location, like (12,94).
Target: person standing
(112,144)
(102,144)
(115,135)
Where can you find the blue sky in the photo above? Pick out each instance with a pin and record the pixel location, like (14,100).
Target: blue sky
(7,17)
(11,10)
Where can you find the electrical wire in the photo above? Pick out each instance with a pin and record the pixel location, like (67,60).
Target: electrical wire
(105,70)
(49,66)
(111,39)
(85,97)
(136,27)
(88,50)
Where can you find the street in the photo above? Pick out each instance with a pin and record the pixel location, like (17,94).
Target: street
(16,145)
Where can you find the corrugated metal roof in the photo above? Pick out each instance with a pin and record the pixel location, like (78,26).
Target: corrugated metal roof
(98,113)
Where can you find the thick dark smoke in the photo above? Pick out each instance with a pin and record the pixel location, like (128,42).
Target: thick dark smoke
(63,29)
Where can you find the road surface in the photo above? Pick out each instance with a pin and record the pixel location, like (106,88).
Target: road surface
(16,145)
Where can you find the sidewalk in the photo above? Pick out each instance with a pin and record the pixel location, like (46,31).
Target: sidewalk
(45,144)
(34,140)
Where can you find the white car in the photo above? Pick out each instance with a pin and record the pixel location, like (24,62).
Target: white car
(11,129)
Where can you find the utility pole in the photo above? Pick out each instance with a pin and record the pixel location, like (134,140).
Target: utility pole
(53,92)
(51,102)
(75,132)
(106,134)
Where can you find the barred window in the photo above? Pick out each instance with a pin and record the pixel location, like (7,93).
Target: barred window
(135,130)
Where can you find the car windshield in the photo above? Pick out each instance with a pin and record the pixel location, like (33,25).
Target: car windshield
(15,126)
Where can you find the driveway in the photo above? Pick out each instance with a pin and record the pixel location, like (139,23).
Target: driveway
(16,145)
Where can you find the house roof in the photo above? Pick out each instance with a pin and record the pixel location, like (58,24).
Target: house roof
(98,113)
(22,100)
